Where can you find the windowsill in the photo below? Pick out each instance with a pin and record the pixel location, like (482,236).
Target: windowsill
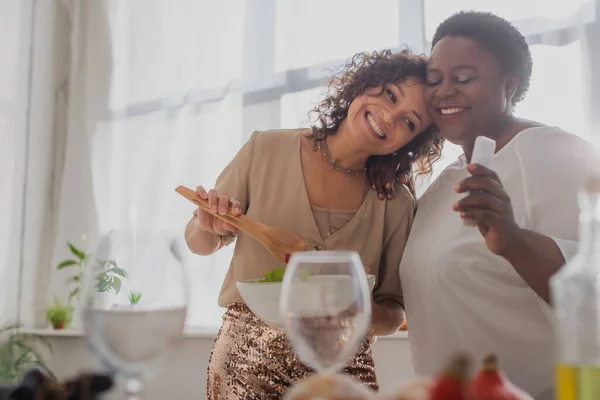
(189,333)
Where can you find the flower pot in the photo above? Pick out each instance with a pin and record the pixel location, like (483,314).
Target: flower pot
(59,325)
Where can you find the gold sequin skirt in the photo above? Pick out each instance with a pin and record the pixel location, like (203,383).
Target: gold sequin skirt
(251,360)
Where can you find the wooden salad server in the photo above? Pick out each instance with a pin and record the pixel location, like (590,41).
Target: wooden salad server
(279,242)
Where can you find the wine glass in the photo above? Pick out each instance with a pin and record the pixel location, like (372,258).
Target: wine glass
(325,307)
(134,303)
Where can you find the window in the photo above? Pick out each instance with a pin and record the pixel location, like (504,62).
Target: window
(190,81)
(151,37)
(556,96)
(139,161)
(312,32)
(295,107)
(530,16)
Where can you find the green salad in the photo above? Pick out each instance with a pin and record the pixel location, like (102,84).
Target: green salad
(273,276)
(276,275)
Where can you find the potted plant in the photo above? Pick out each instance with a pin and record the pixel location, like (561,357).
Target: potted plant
(19,352)
(77,261)
(108,276)
(59,315)
(134,298)
(107,273)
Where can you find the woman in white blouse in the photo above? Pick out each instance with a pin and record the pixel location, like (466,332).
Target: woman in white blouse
(485,288)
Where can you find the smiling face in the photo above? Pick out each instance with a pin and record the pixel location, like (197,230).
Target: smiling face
(382,120)
(468,93)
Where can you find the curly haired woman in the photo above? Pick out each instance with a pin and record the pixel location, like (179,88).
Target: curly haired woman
(314,182)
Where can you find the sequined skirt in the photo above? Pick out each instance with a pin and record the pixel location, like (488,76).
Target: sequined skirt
(251,360)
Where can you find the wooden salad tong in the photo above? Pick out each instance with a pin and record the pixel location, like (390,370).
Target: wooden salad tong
(279,242)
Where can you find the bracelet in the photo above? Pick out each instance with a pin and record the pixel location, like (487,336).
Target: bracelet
(371,338)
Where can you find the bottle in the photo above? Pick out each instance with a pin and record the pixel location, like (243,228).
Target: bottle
(575,293)
(483,154)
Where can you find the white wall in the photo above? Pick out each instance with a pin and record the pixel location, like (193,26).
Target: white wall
(184,377)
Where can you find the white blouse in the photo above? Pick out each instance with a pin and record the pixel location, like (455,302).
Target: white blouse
(460,296)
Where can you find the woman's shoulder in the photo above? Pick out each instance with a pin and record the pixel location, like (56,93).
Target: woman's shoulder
(552,151)
(401,207)
(277,137)
(547,142)
(402,195)
(541,135)
(273,149)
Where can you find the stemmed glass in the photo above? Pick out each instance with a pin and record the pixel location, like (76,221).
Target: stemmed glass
(326,307)
(134,303)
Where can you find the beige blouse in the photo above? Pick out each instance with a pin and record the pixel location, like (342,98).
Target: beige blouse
(337,218)
(266,178)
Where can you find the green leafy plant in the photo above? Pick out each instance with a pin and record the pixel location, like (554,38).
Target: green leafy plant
(19,352)
(108,277)
(59,314)
(135,297)
(78,261)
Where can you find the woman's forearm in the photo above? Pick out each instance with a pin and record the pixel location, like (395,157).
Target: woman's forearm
(199,241)
(536,258)
(387,317)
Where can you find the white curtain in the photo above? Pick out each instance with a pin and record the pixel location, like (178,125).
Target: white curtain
(164,92)
(15,46)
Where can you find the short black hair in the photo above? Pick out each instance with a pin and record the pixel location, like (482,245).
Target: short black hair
(497,35)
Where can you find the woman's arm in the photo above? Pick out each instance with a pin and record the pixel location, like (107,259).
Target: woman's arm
(534,256)
(199,241)
(388,316)
(388,311)
(384,172)
(551,180)
(205,234)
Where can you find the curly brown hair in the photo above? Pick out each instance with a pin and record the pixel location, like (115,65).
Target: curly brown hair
(365,71)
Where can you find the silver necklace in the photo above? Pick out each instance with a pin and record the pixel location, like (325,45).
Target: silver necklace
(333,164)
(330,228)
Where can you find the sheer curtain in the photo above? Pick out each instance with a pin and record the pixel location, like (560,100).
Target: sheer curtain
(163,93)
(15,20)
